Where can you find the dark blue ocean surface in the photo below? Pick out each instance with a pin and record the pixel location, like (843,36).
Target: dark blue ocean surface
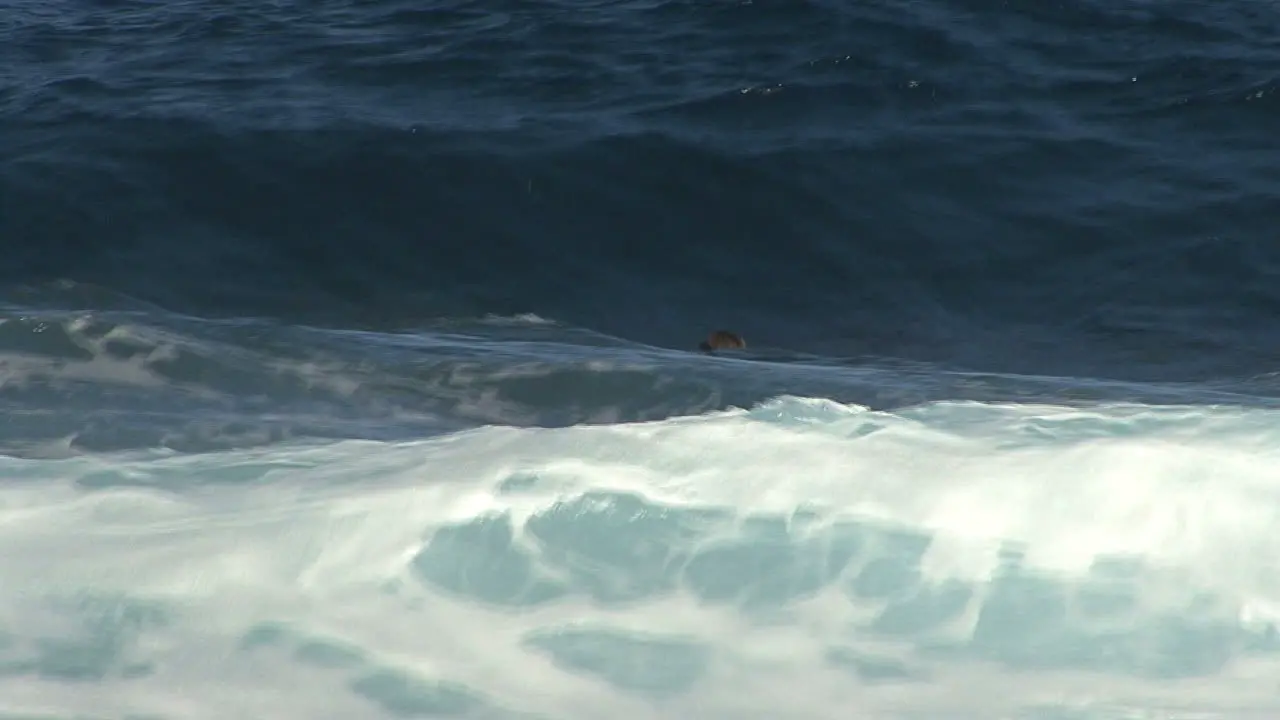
(1087,191)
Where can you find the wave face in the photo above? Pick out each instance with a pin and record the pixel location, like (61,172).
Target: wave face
(346,370)
(1088,187)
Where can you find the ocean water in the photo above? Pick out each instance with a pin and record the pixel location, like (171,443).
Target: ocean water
(348,360)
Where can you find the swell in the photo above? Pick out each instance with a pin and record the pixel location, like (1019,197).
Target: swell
(651,238)
(953,181)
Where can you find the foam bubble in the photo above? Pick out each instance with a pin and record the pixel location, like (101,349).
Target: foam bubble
(795,559)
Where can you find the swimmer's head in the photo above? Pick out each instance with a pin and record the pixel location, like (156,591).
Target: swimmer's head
(722,340)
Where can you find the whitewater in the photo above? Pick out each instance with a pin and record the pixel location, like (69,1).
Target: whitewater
(789,557)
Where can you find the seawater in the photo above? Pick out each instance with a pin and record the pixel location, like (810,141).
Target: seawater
(348,369)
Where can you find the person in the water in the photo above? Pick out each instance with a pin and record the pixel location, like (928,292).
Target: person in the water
(722,340)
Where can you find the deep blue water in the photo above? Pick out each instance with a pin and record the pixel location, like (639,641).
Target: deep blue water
(1084,193)
(1081,188)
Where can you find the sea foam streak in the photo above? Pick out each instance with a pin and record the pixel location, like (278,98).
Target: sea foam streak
(801,559)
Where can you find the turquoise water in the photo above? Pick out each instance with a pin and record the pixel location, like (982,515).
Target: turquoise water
(800,559)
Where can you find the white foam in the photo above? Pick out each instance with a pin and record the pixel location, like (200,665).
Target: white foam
(518,319)
(324,537)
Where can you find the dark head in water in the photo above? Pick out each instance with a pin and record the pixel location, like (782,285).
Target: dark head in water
(722,339)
